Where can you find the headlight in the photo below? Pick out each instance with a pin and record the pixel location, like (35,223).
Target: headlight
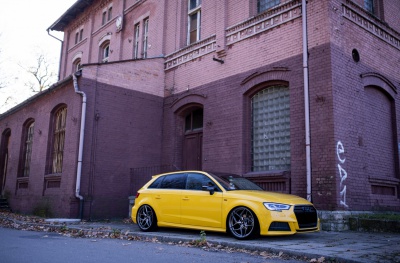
(276,207)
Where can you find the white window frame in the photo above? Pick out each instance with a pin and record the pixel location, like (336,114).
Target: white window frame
(105,50)
(136,41)
(194,11)
(145,37)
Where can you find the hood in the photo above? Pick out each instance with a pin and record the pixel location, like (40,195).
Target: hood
(265,196)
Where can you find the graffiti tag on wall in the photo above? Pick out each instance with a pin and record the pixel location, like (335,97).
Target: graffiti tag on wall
(342,173)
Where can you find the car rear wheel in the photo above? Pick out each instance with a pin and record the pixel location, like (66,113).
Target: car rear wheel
(242,223)
(146,218)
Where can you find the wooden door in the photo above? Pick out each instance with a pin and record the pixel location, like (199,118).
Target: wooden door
(192,151)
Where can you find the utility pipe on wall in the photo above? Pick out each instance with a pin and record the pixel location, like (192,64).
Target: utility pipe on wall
(80,150)
(306,98)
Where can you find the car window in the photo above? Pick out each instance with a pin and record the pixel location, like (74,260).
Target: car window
(157,182)
(196,181)
(234,182)
(173,181)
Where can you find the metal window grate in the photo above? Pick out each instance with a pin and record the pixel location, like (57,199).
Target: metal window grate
(28,149)
(59,139)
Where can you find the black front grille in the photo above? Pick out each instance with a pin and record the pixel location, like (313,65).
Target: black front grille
(279,226)
(306,216)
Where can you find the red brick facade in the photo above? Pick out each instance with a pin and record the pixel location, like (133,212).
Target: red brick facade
(136,108)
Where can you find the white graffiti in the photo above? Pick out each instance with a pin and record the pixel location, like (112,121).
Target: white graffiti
(342,173)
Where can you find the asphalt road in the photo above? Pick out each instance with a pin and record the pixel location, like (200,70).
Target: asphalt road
(17,246)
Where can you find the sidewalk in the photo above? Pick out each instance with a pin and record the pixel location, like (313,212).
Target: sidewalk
(313,247)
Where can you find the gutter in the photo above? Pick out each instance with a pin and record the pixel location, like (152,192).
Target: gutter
(81,140)
(306,98)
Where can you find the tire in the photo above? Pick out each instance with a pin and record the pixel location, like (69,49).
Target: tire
(146,218)
(242,223)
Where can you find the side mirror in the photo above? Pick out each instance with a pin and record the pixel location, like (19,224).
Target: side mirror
(211,189)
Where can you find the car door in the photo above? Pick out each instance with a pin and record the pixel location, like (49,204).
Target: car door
(168,198)
(199,207)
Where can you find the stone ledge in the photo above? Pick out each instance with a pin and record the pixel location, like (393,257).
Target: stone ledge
(356,221)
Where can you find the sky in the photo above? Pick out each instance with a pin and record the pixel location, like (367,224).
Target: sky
(23,35)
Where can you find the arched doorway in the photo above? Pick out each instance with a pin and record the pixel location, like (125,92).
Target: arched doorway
(193,140)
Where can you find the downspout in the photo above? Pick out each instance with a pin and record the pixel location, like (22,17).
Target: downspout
(306,98)
(81,140)
(62,43)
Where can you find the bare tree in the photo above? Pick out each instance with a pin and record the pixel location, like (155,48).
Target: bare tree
(2,75)
(42,73)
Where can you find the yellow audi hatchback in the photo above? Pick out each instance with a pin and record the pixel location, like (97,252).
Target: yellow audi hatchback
(220,202)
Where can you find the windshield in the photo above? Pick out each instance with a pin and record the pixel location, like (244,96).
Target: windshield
(234,182)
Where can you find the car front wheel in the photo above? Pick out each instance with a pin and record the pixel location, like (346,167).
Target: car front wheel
(146,218)
(242,223)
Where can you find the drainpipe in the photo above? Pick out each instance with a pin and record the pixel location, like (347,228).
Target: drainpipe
(306,98)
(62,43)
(81,140)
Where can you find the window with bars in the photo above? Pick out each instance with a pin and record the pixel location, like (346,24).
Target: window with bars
(60,119)
(27,152)
(263,5)
(194,20)
(270,118)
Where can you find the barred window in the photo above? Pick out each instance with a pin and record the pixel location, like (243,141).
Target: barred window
(59,139)
(270,110)
(263,5)
(27,150)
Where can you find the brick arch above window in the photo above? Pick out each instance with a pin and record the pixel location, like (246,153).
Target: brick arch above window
(276,75)
(78,55)
(378,80)
(188,108)
(189,99)
(105,38)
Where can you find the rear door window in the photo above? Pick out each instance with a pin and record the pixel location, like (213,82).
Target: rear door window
(174,181)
